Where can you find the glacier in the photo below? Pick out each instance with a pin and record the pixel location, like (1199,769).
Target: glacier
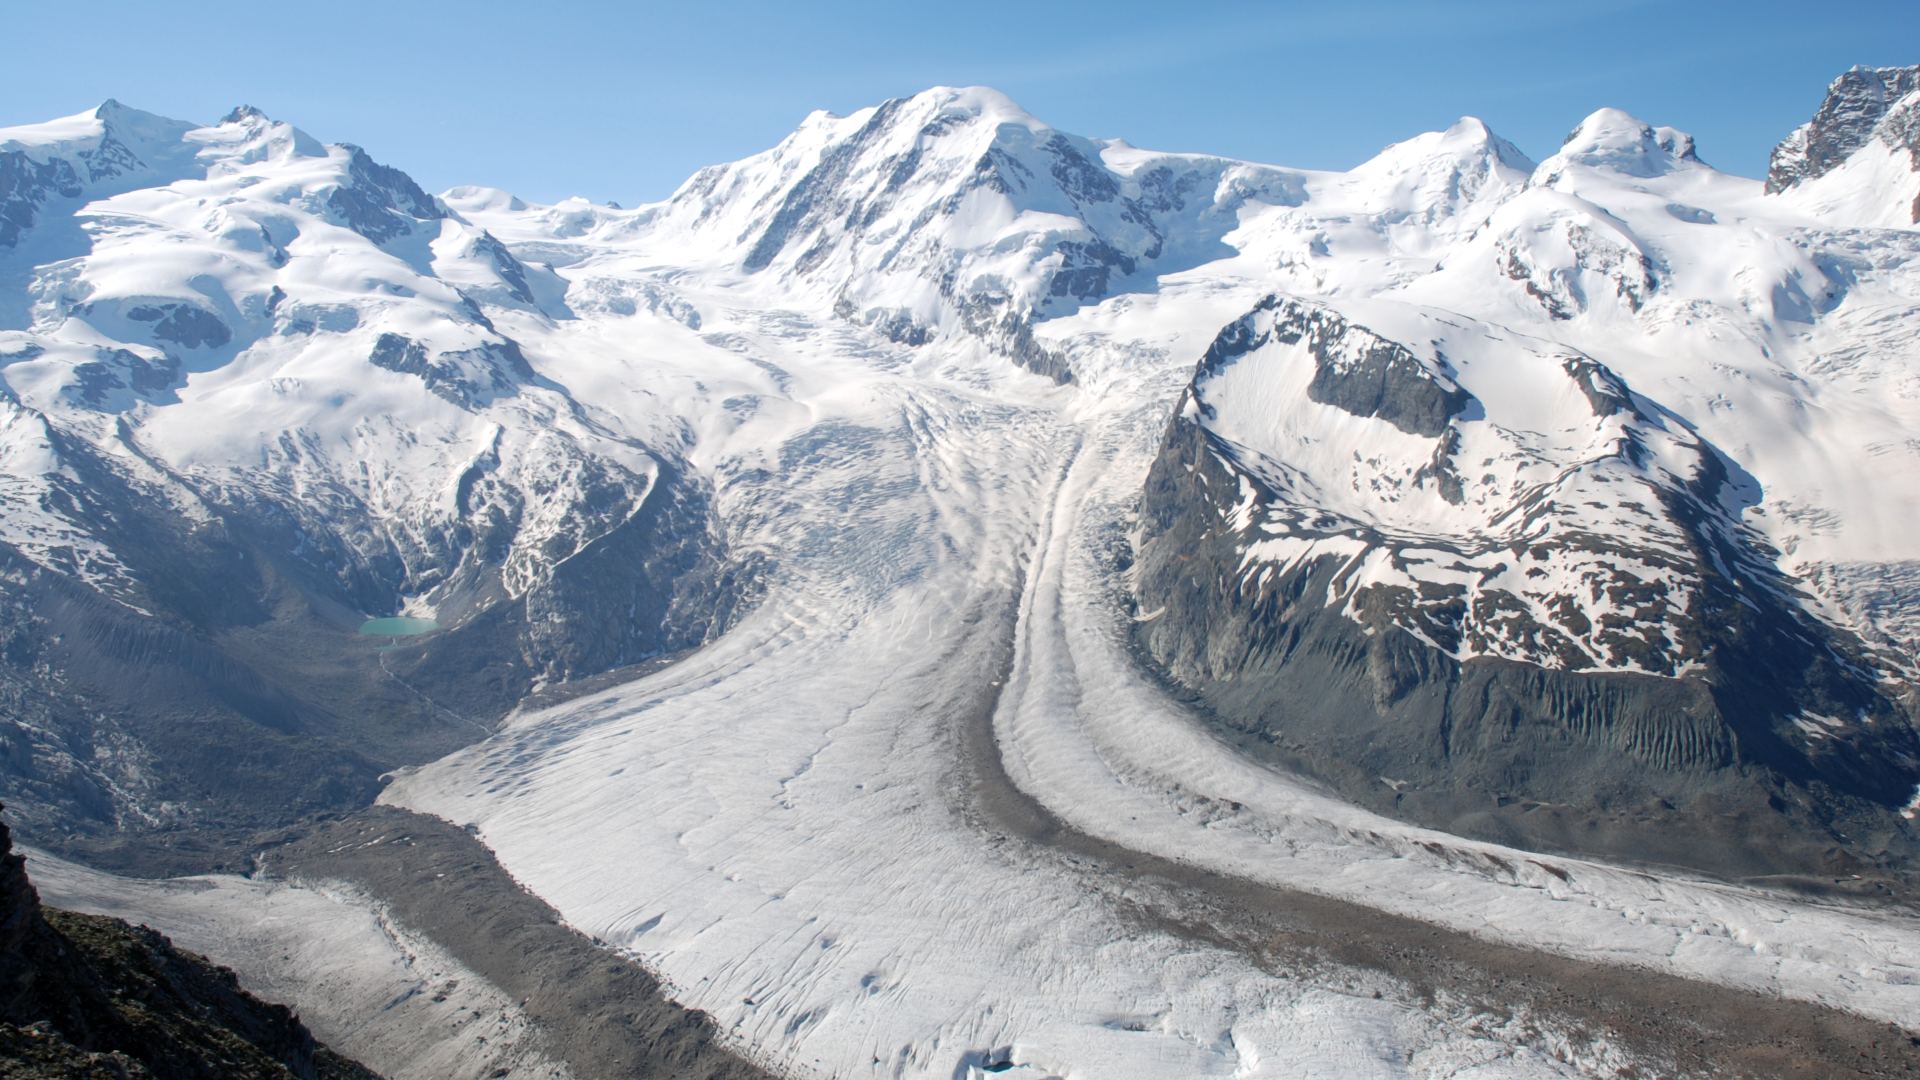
(898,795)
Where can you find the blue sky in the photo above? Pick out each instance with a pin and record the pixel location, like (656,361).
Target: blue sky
(624,100)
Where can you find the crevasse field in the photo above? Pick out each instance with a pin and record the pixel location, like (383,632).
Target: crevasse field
(785,824)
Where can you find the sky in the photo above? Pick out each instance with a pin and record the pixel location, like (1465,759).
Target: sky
(622,101)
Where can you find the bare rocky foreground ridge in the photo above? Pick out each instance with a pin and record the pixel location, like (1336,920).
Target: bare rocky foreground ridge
(577,1008)
(90,997)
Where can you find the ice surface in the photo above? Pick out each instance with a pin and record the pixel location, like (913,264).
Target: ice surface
(778,825)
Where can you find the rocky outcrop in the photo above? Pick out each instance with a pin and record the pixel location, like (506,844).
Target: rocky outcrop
(87,996)
(1742,736)
(469,378)
(25,186)
(1862,105)
(1355,370)
(380,202)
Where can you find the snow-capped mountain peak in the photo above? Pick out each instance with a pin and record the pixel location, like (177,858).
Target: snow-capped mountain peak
(973,103)
(104,151)
(1621,143)
(471,198)
(85,135)
(954,211)
(246,135)
(1465,140)
(1441,173)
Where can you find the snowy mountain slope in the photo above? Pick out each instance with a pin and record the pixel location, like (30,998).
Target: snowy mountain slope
(952,211)
(1679,467)
(44,168)
(247,349)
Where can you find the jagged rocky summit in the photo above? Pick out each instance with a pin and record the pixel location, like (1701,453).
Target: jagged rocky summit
(1861,149)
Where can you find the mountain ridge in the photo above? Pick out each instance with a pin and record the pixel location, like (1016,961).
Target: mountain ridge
(378,400)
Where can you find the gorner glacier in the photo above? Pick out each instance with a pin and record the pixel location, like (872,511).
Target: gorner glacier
(924,590)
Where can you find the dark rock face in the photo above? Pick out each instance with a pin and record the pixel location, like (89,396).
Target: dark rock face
(510,269)
(1374,377)
(994,319)
(469,378)
(183,324)
(104,167)
(25,186)
(380,202)
(820,194)
(1367,695)
(85,996)
(1860,106)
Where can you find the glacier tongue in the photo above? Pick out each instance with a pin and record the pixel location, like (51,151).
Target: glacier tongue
(810,869)
(783,825)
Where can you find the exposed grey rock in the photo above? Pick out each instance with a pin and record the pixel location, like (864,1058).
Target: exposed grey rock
(87,996)
(186,325)
(380,202)
(1856,111)
(1385,380)
(27,185)
(103,166)
(1558,289)
(504,264)
(94,381)
(1367,695)
(467,377)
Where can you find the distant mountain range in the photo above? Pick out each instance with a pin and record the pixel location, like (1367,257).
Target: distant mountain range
(1572,503)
